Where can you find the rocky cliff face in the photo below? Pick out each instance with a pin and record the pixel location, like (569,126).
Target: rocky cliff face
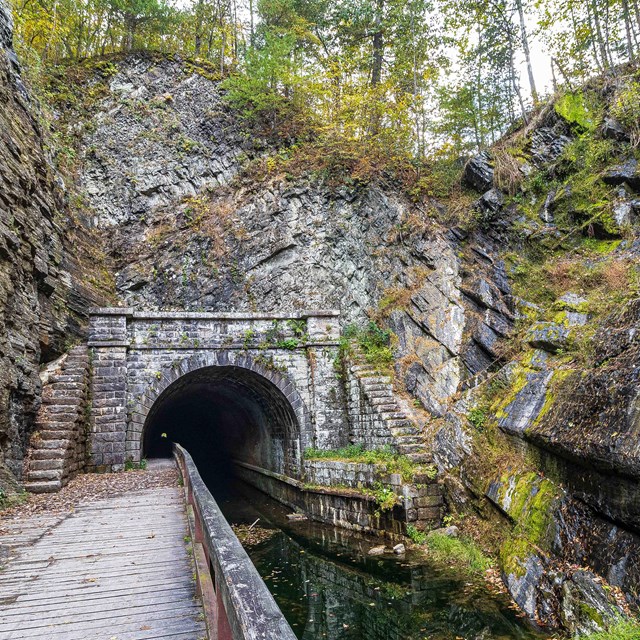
(41,300)
(494,323)
(172,176)
(195,216)
(562,415)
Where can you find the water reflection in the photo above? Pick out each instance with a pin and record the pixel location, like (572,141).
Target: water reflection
(329,588)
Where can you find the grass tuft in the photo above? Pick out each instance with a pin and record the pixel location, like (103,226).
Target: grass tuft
(462,551)
(393,462)
(623,630)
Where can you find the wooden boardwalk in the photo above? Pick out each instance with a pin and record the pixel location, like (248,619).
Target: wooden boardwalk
(115,569)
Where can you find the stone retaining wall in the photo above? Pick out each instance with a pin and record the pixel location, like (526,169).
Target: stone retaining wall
(352,508)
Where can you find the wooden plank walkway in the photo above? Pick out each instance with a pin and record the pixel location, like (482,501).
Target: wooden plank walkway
(115,569)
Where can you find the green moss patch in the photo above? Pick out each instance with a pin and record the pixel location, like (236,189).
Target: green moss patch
(530,500)
(622,630)
(393,462)
(579,109)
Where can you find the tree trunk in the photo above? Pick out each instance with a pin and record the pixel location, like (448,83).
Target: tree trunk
(252,31)
(599,37)
(574,24)
(636,11)
(562,72)
(518,93)
(527,53)
(478,124)
(198,35)
(627,28)
(595,38)
(129,31)
(378,46)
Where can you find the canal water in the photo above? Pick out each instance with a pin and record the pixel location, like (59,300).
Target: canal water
(329,588)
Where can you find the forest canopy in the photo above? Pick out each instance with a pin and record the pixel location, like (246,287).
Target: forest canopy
(414,79)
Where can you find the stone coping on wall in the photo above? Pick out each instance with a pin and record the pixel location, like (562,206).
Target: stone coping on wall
(179,347)
(346,492)
(130,312)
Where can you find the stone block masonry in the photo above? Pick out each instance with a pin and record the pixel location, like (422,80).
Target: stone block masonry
(139,355)
(278,371)
(58,446)
(376,418)
(334,498)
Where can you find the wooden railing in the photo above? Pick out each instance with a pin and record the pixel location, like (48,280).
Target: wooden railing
(238,605)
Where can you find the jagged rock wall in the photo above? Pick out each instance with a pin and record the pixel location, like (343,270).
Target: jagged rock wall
(156,166)
(302,246)
(41,301)
(563,414)
(162,112)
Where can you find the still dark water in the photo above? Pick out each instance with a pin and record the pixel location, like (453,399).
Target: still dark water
(329,588)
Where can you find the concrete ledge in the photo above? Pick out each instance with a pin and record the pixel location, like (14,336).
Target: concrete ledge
(350,507)
(250,612)
(111,311)
(344,492)
(108,343)
(271,474)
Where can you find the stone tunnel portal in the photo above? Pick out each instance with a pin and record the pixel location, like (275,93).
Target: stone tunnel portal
(221,414)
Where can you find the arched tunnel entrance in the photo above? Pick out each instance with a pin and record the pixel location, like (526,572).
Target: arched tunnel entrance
(224,413)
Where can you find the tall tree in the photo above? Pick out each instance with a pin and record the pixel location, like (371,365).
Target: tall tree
(527,52)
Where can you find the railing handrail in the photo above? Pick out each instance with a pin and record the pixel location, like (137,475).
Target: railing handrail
(251,611)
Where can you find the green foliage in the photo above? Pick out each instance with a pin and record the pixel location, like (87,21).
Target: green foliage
(374,342)
(248,338)
(626,109)
(622,630)
(392,461)
(478,416)
(11,500)
(579,110)
(462,551)
(371,89)
(271,90)
(384,496)
(130,465)
(415,535)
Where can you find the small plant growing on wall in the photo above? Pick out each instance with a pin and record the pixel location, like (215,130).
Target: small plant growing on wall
(415,535)
(384,496)
(130,465)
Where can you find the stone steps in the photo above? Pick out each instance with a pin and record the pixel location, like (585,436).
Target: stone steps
(47,454)
(56,453)
(383,414)
(409,440)
(51,434)
(420,458)
(406,448)
(51,486)
(45,465)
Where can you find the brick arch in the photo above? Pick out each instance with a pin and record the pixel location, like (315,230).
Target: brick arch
(142,409)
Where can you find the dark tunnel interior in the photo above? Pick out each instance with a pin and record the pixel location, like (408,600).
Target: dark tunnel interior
(222,414)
